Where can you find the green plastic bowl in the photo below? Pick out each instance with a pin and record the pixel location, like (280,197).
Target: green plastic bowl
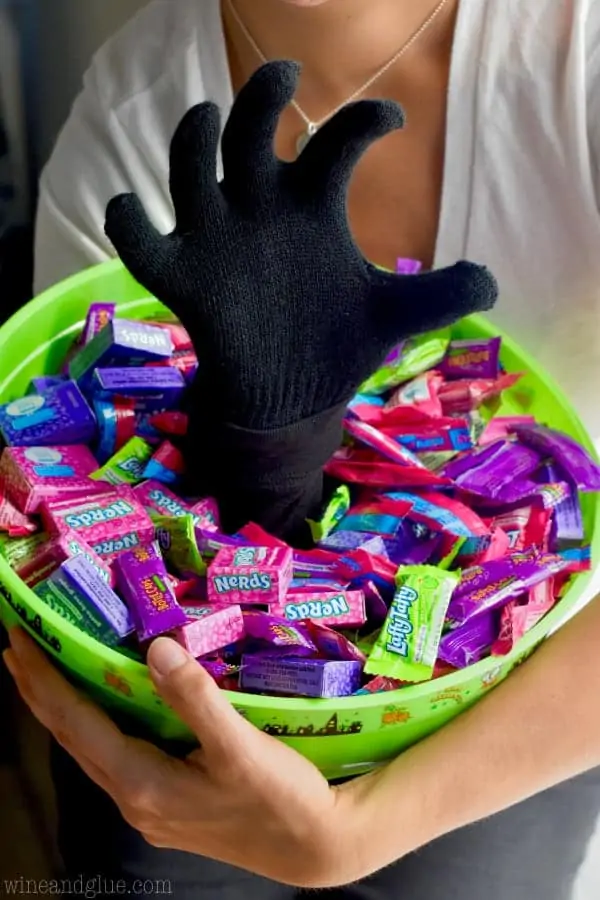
(344,736)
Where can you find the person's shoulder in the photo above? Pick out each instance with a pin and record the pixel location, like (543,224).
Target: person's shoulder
(149,46)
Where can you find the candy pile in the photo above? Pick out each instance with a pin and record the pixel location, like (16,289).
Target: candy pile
(451,534)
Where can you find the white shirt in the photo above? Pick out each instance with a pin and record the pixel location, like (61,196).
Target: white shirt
(521,166)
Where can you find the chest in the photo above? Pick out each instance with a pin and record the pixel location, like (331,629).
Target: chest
(395,195)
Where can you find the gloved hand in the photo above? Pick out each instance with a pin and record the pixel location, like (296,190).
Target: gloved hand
(286,316)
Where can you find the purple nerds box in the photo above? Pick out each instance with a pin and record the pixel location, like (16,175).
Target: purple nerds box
(59,416)
(82,576)
(121,342)
(304,677)
(162,383)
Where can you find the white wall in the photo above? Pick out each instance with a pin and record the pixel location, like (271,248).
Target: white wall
(68,33)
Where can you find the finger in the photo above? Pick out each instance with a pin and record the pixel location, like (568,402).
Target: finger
(79,726)
(193,165)
(413,304)
(329,159)
(196,699)
(249,135)
(141,247)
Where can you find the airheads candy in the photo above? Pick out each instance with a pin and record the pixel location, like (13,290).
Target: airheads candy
(250,575)
(408,645)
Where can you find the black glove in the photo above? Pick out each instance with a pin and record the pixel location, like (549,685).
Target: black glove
(286,316)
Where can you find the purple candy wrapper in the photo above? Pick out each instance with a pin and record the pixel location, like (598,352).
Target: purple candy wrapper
(82,576)
(494,476)
(99,315)
(277,636)
(210,541)
(47,383)
(575,462)
(375,605)
(121,342)
(472,358)
(469,643)
(491,585)
(331,644)
(567,522)
(406,266)
(59,416)
(303,677)
(160,387)
(143,581)
(342,541)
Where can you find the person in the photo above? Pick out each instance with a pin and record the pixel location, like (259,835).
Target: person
(497,163)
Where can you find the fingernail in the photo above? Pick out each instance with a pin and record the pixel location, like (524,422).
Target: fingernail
(10,662)
(17,639)
(166,656)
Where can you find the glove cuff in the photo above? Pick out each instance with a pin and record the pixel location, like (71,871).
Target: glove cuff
(274,477)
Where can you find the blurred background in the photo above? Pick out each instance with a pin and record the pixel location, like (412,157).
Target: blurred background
(45,47)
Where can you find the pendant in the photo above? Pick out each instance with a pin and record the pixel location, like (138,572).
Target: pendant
(305,137)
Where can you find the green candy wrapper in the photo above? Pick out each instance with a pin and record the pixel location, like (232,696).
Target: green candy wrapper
(337,508)
(412,358)
(407,646)
(176,536)
(127,465)
(16,550)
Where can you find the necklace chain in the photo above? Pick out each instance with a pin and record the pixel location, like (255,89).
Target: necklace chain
(311,126)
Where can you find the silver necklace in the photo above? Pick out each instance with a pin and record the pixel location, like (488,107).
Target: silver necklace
(311,126)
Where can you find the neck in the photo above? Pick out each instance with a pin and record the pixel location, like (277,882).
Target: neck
(338,42)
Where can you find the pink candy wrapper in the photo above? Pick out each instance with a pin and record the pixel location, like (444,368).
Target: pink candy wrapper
(465,396)
(13,522)
(211,631)
(421,394)
(53,553)
(519,618)
(250,575)
(111,523)
(345,609)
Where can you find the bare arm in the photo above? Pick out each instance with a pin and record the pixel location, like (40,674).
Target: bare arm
(539,728)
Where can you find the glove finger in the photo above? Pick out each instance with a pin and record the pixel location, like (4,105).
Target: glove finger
(412,304)
(329,159)
(138,243)
(193,165)
(249,135)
